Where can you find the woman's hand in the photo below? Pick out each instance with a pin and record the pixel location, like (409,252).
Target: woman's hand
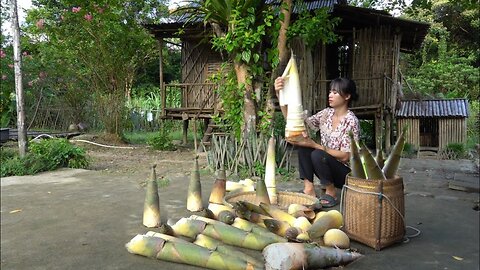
(279,83)
(304,141)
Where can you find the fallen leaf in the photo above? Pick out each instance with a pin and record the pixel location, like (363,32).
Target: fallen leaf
(458,258)
(15,211)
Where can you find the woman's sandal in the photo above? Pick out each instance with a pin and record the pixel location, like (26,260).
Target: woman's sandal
(330,201)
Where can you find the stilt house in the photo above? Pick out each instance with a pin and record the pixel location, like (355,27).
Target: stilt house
(368,51)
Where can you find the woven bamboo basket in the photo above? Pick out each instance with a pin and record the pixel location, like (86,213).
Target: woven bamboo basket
(374,211)
(285,198)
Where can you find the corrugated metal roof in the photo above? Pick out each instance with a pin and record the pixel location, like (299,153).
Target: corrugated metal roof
(433,108)
(308,4)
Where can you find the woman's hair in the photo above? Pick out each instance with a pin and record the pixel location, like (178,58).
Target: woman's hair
(345,87)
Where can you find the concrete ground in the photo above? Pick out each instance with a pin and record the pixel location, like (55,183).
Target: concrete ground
(80,219)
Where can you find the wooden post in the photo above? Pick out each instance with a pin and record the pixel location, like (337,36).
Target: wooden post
(185,131)
(388,131)
(160,76)
(378,126)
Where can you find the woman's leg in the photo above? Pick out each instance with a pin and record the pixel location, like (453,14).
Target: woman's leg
(331,171)
(306,170)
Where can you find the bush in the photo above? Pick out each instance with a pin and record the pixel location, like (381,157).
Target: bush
(45,155)
(409,150)
(161,141)
(454,151)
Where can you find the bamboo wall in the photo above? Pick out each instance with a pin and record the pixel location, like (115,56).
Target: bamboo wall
(312,71)
(413,132)
(199,62)
(452,130)
(375,66)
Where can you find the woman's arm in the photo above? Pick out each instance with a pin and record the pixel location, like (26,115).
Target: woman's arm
(339,155)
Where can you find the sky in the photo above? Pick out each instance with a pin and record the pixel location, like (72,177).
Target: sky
(22,5)
(26,4)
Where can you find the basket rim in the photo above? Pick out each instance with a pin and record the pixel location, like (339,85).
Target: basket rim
(279,193)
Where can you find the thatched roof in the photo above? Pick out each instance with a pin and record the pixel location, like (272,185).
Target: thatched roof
(413,32)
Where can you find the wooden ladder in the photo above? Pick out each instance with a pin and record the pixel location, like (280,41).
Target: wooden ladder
(212,129)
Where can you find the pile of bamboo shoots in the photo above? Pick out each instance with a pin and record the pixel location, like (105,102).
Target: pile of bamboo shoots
(214,236)
(366,166)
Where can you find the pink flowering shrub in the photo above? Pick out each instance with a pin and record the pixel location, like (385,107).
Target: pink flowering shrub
(88,16)
(40,24)
(76,9)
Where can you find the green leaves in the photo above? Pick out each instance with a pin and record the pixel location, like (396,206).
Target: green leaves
(314,28)
(45,155)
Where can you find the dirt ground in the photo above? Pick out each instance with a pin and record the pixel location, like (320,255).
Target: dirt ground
(138,159)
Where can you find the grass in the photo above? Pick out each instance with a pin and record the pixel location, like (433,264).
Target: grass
(142,137)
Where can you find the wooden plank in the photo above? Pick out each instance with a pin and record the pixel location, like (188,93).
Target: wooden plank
(465,182)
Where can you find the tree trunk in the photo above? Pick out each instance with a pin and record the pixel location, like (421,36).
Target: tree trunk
(282,35)
(283,53)
(17,59)
(249,105)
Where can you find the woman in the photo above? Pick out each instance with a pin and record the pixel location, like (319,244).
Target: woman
(328,160)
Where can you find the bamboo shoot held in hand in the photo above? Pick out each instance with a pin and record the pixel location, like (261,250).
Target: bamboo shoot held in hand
(291,95)
(151,208)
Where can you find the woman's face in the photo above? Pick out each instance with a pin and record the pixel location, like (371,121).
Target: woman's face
(336,100)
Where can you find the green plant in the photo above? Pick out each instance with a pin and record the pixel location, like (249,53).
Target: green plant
(367,132)
(163,182)
(60,153)
(454,151)
(409,150)
(44,155)
(286,174)
(315,28)
(473,125)
(161,141)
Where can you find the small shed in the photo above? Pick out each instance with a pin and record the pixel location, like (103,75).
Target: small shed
(433,124)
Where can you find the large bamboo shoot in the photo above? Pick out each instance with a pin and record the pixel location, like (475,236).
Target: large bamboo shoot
(371,167)
(355,161)
(393,160)
(223,232)
(299,256)
(217,245)
(270,168)
(219,188)
(186,253)
(261,192)
(278,213)
(194,197)
(291,96)
(151,207)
